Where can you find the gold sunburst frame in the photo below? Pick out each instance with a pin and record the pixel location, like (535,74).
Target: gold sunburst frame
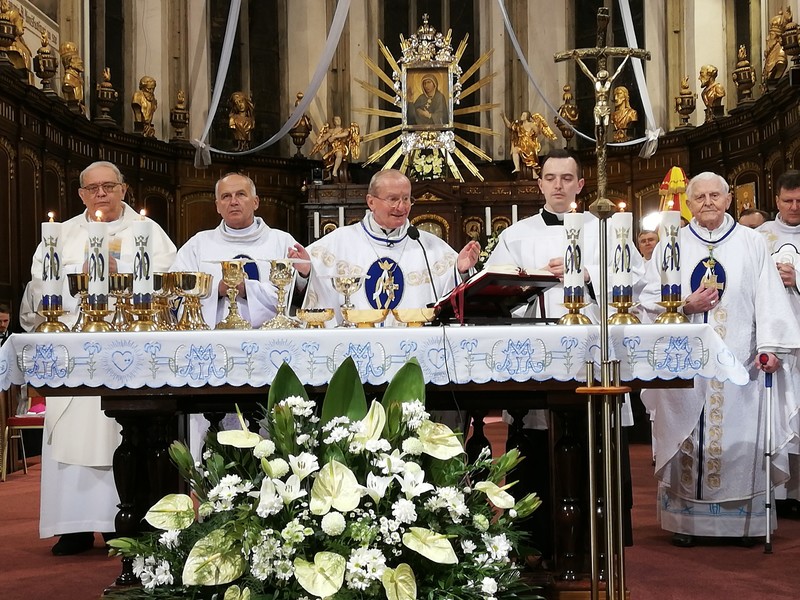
(426,86)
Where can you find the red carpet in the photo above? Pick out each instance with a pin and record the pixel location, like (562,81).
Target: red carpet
(655,569)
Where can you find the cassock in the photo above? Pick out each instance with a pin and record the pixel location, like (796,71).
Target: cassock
(395,265)
(78,492)
(710,439)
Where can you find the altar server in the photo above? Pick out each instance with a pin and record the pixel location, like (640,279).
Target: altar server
(78,495)
(404,267)
(710,439)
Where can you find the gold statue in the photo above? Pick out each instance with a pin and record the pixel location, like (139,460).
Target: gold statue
(774,55)
(241,119)
(568,111)
(18,52)
(72,84)
(302,129)
(525,144)
(623,114)
(336,144)
(144,106)
(713,92)
(685,103)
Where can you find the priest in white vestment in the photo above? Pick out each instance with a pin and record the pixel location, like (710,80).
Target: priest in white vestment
(78,495)
(783,241)
(710,439)
(401,272)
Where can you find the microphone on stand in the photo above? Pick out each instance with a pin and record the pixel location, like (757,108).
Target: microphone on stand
(413,233)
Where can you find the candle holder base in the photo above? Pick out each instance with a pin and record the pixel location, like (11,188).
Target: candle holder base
(96,321)
(574,316)
(671,316)
(622,316)
(51,324)
(144,319)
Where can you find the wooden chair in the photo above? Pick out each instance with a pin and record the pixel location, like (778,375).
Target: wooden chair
(14,428)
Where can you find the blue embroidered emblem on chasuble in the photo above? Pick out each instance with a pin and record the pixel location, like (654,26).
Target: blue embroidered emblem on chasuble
(385,284)
(709,273)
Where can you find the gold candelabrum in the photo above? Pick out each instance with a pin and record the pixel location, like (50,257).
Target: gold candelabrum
(233,275)
(192,287)
(281,275)
(574,316)
(96,317)
(671,316)
(623,303)
(347,286)
(79,286)
(120,286)
(51,310)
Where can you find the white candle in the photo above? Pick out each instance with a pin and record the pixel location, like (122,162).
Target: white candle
(341,216)
(573,255)
(143,260)
(670,258)
(316,225)
(514,214)
(622,247)
(51,263)
(488,221)
(98,261)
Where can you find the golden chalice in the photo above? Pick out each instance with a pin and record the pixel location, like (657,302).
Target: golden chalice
(347,286)
(120,286)
(79,286)
(163,292)
(233,275)
(365,318)
(315,318)
(192,287)
(281,275)
(413,317)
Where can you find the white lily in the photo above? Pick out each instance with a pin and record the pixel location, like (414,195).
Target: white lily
(413,482)
(289,490)
(269,502)
(303,464)
(376,486)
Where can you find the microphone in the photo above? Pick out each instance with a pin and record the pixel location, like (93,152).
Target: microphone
(413,233)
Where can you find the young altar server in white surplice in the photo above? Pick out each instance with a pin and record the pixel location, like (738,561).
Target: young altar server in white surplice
(710,439)
(783,241)
(240,235)
(379,247)
(78,495)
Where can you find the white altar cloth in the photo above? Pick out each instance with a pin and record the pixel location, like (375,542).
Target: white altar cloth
(449,354)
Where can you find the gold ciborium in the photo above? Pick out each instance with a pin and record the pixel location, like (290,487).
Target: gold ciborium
(347,285)
(233,275)
(192,287)
(413,317)
(315,318)
(281,275)
(120,286)
(79,286)
(365,318)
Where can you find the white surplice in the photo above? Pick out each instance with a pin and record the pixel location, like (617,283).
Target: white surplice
(710,439)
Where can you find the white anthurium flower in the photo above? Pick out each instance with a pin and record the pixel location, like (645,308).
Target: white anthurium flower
(376,486)
(290,490)
(336,487)
(400,583)
(433,546)
(498,495)
(323,577)
(438,440)
(239,438)
(371,426)
(214,560)
(413,484)
(173,511)
(269,502)
(303,464)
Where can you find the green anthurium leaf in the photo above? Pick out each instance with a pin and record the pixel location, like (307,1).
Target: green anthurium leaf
(345,395)
(498,495)
(439,441)
(400,583)
(336,487)
(407,384)
(323,577)
(215,559)
(173,511)
(285,384)
(431,545)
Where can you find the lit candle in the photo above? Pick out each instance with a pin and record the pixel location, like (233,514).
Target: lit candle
(316,225)
(669,234)
(98,260)
(514,214)
(488,221)
(51,263)
(573,256)
(341,216)
(621,277)
(143,260)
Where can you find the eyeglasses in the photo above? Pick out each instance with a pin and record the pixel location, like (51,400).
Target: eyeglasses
(108,187)
(397,201)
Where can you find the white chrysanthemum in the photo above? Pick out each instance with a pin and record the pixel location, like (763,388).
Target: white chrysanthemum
(284,569)
(489,586)
(404,511)
(303,439)
(355,448)
(138,565)
(295,532)
(412,446)
(264,448)
(337,434)
(299,406)
(278,467)
(163,576)
(414,414)
(333,523)
(379,445)
(170,538)
(468,546)
(364,566)
(497,546)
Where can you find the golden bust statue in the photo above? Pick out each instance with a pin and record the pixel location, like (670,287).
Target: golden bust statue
(18,52)
(525,144)
(144,106)
(623,114)
(241,119)
(713,92)
(72,84)
(774,55)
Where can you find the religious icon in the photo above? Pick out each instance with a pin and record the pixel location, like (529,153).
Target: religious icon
(428,102)
(745,195)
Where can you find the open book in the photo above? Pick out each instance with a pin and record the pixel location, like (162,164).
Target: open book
(493,294)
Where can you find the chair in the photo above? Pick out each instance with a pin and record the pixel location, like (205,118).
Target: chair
(33,418)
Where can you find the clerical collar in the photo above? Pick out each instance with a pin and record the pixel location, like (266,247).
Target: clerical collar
(782,223)
(240,232)
(717,235)
(550,218)
(378,234)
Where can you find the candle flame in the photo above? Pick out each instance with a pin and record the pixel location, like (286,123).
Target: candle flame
(142,214)
(98,215)
(622,206)
(573,206)
(670,204)
(51,215)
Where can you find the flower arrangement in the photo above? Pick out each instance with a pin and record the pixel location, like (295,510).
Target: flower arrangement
(486,251)
(427,165)
(353,502)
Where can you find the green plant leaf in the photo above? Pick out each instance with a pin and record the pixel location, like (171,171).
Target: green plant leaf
(173,511)
(323,577)
(407,384)
(345,395)
(431,545)
(285,384)
(215,559)
(400,583)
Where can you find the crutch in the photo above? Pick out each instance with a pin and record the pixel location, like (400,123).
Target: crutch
(763,359)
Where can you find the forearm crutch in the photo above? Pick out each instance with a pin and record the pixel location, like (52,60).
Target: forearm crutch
(763,359)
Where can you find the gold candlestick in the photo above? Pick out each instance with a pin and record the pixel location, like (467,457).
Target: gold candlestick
(51,324)
(145,314)
(96,319)
(622,316)
(574,316)
(233,274)
(671,316)
(281,274)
